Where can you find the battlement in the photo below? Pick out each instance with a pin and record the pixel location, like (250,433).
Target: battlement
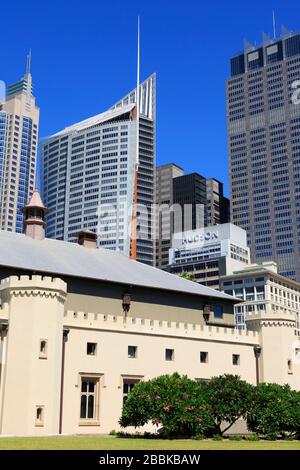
(272,316)
(157,327)
(34,282)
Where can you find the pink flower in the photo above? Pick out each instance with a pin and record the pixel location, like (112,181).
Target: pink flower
(156,421)
(166,408)
(157,397)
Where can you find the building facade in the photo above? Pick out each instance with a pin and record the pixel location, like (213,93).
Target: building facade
(19,121)
(190,194)
(165,175)
(262,290)
(263,120)
(80,326)
(88,175)
(218,206)
(185,202)
(209,253)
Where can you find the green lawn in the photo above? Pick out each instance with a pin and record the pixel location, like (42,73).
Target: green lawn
(115,443)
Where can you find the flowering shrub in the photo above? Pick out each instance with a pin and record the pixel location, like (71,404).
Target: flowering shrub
(274,411)
(177,405)
(230,398)
(181,407)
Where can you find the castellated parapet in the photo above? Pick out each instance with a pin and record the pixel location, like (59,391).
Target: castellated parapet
(89,320)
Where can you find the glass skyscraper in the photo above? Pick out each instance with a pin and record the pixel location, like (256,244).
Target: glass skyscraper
(19,119)
(263,120)
(88,175)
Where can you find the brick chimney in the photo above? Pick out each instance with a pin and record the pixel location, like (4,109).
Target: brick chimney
(87,238)
(34,217)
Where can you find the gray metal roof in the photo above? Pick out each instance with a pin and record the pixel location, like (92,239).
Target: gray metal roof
(69,259)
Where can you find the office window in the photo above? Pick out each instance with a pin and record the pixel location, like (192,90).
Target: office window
(218,311)
(89,398)
(91,349)
(236,359)
(169,354)
(132,352)
(203,357)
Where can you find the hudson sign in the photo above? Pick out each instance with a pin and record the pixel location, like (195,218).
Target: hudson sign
(200,237)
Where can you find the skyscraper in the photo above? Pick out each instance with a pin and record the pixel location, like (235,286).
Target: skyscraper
(218,206)
(195,201)
(263,119)
(190,193)
(19,120)
(165,175)
(88,175)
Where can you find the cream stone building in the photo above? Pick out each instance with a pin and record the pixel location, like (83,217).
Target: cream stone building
(80,326)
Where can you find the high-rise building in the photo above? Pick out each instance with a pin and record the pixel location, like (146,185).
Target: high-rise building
(190,193)
(209,253)
(185,202)
(218,206)
(164,220)
(88,175)
(263,119)
(19,120)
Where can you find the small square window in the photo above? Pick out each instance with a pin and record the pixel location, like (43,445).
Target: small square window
(218,311)
(203,357)
(236,359)
(91,349)
(43,349)
(169,355)
(132,352)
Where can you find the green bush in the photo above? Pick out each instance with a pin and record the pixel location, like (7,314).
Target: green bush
(198,437)
(235,438)
(274,411)
(217,437)
(177,405)
(252,438)
(113,432)
(230,398)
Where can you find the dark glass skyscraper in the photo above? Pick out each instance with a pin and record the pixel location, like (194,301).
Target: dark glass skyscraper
(263,120)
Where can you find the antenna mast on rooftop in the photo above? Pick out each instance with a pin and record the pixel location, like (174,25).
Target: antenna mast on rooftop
(274,25)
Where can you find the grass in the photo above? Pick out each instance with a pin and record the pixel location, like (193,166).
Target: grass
(101,442)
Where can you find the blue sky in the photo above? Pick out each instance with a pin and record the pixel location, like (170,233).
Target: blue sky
(84,59)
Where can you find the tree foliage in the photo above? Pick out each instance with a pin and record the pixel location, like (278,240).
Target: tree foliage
(229,398)
(274,411)
(182,407)
(187,276)
(178,405)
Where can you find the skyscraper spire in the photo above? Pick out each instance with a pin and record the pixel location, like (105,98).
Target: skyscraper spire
(138,91)
(28,62)
(274,24)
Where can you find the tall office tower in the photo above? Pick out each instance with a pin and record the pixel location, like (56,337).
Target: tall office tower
(263,118)
(218,206)
(88,175)
(190,193)
(19,120)
(164,219)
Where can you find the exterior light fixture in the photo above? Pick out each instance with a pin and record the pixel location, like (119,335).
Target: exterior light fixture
(206,312)
(126,301)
